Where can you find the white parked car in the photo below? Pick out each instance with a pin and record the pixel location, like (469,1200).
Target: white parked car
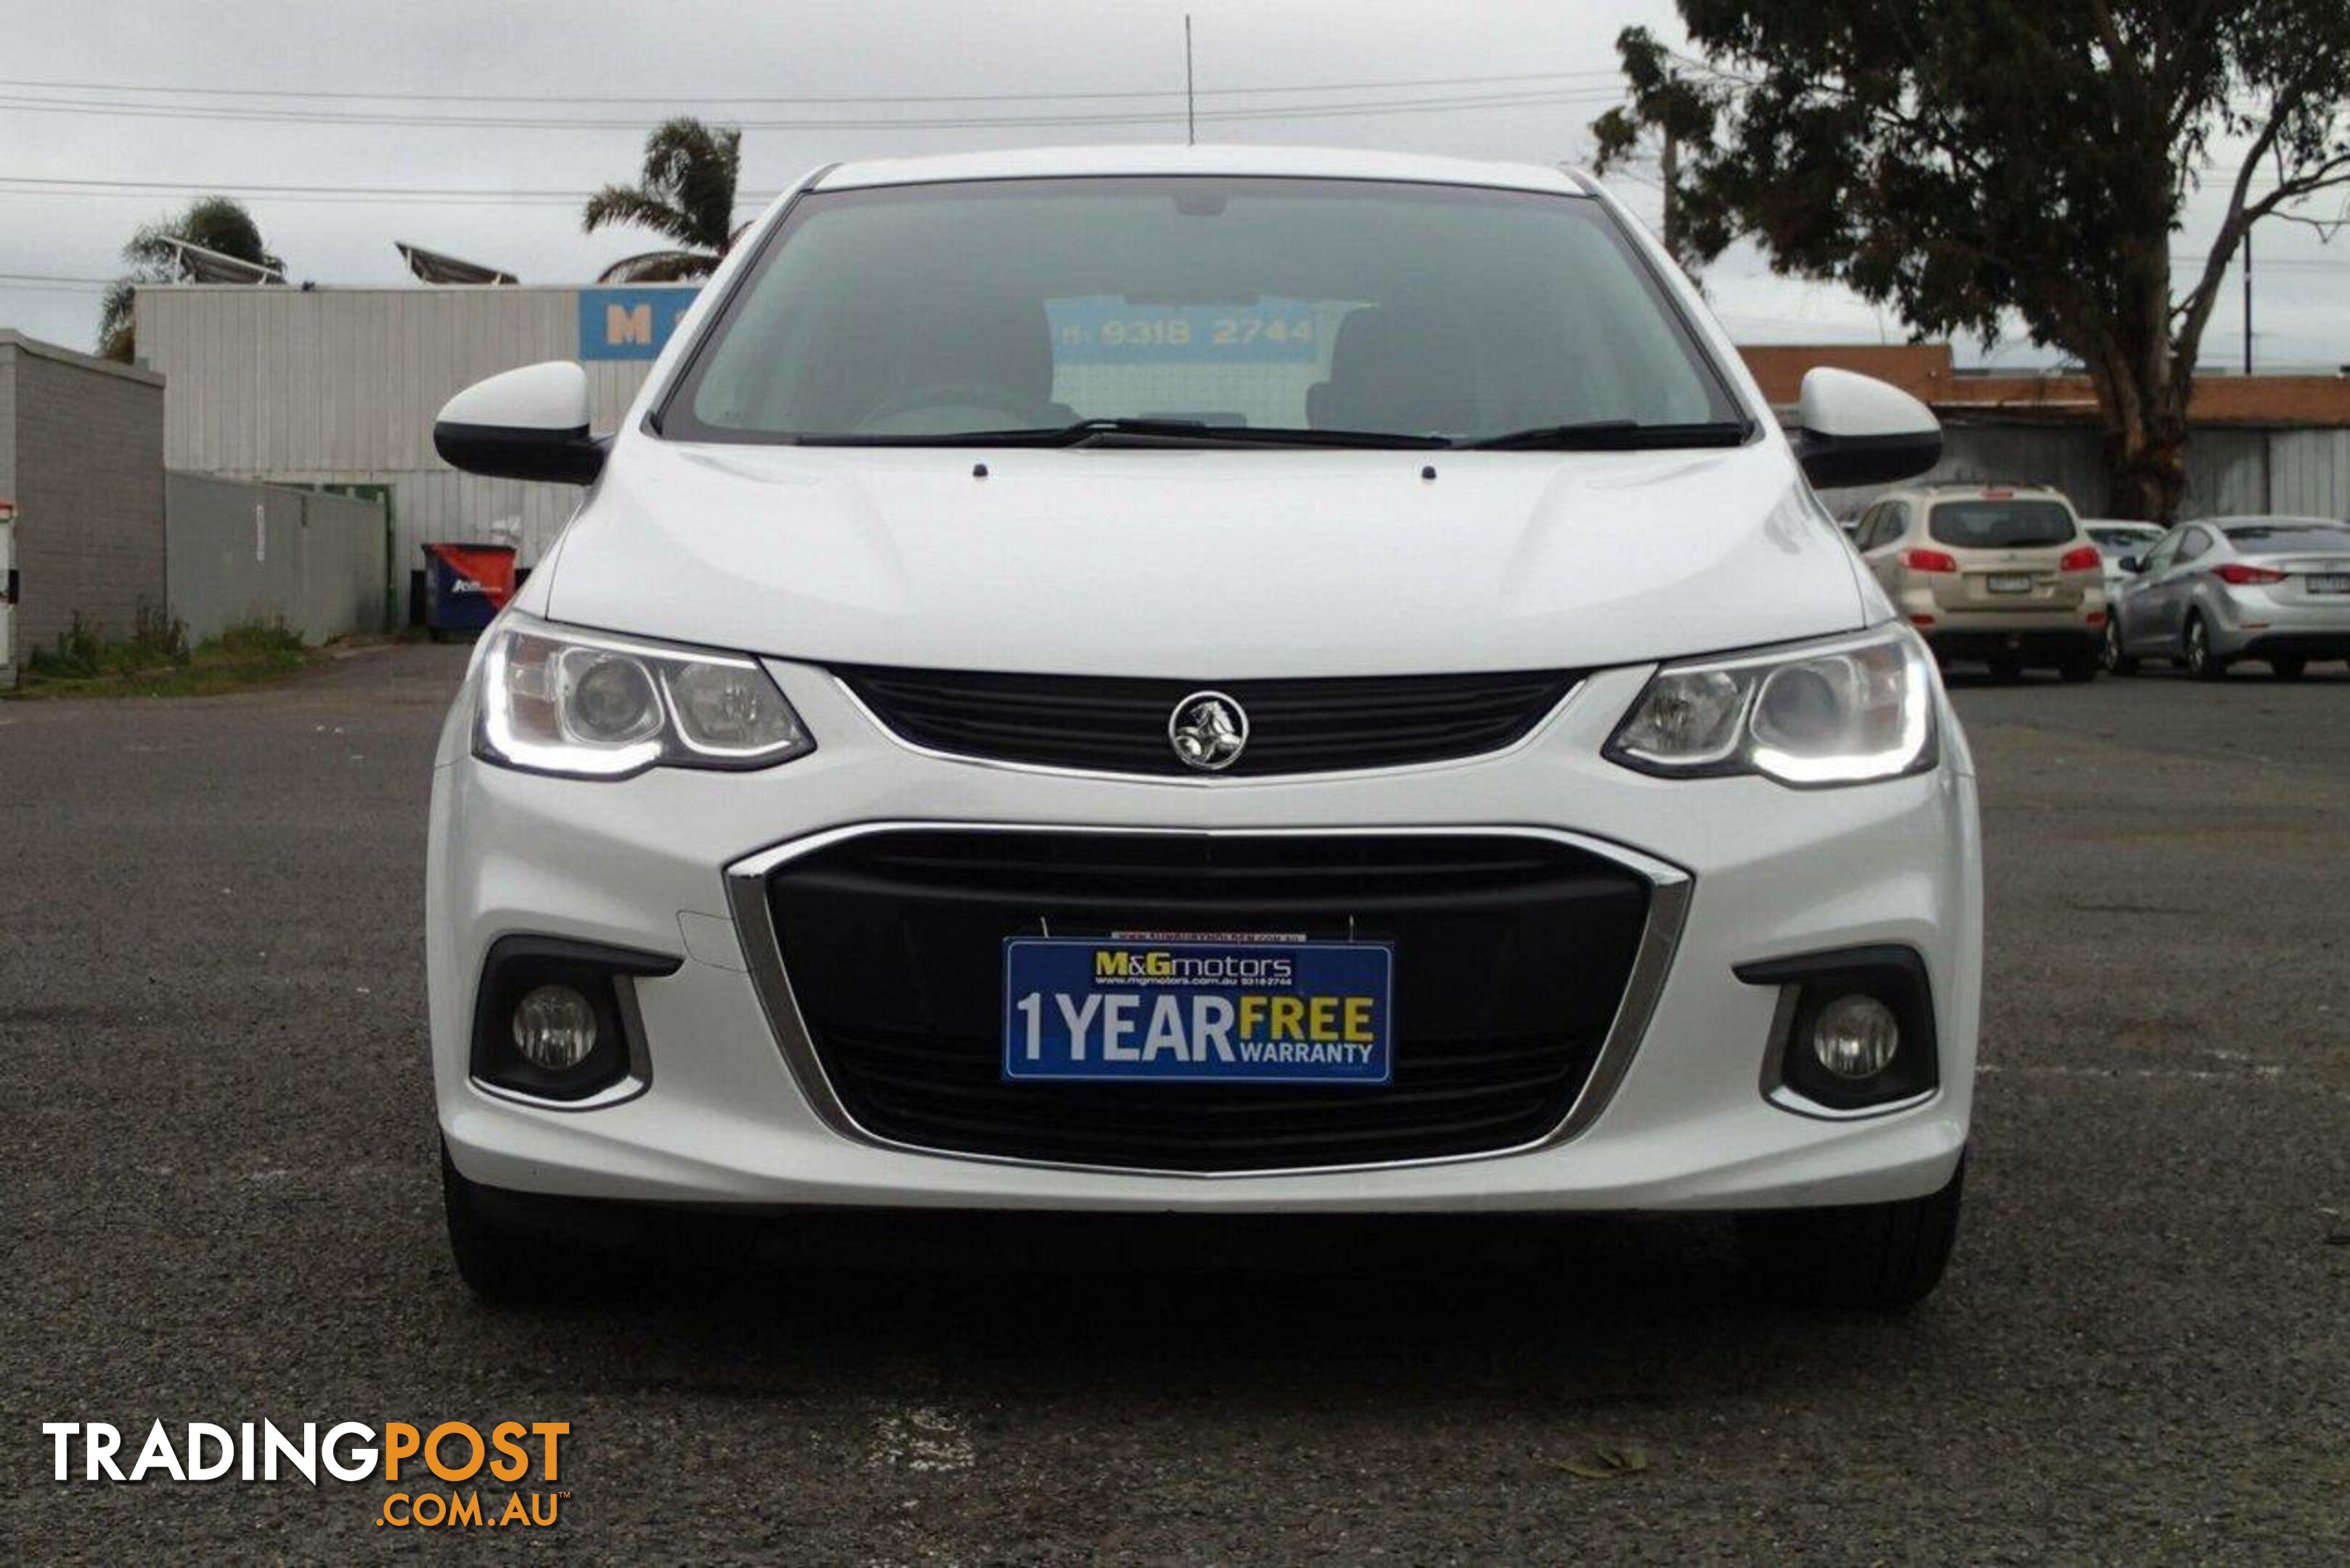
(1217,681)
(2118,541)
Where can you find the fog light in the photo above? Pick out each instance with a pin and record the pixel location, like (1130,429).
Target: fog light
(555,1028)
(1856,1036)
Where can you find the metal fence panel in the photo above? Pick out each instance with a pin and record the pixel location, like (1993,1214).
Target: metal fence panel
(242,552)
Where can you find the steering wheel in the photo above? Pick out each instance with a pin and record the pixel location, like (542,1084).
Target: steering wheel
(1023,409)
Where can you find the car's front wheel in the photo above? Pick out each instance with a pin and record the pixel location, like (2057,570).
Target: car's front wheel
(2111,653)
(502,1265)
(1879,1257)
(2201,662)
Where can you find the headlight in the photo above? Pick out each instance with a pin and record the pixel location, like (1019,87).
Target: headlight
(554,700)
(1832,713)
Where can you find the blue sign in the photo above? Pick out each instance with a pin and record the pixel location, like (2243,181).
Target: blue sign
(630,323)
(1104,329)
(1194,1010)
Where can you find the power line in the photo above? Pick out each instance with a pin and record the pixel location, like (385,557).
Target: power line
(2282,263)
(36,283)
(141,190)
(1445,103)
(683,100)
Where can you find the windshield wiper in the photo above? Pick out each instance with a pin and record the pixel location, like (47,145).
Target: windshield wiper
(1615,435)
(1112,432)
(1139,433)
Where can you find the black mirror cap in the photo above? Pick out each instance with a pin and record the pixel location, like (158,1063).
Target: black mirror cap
(513,451)
(1838,463)
(2133,564)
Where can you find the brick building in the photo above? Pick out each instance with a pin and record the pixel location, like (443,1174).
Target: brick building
(81,455)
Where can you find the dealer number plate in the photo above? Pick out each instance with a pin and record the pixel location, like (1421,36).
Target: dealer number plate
(1181,1010)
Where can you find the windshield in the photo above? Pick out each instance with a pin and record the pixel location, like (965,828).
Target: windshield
(2123,540)
(2000,525)
(915,314)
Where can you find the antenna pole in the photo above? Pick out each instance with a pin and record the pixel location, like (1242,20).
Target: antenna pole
(1190,118)
(2247,299)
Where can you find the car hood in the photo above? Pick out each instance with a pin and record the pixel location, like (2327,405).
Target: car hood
(1194,564)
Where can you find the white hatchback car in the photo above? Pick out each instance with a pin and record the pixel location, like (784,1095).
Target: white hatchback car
(1218,681)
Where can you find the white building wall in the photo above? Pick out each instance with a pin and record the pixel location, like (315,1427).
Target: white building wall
(340,386)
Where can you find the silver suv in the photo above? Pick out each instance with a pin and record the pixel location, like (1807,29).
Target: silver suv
(1998,573)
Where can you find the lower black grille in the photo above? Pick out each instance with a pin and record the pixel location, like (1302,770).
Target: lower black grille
(1119,725)
(1512,954)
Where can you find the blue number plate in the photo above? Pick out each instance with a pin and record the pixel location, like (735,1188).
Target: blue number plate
(1184,1010)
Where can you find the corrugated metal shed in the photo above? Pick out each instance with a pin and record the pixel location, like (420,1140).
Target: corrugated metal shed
(339,385)
(2309,473)
(2231,470)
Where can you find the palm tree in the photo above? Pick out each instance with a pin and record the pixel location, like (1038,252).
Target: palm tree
(687,195)
(215,223)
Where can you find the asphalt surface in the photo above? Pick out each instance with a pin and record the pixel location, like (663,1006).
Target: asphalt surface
(218,1201)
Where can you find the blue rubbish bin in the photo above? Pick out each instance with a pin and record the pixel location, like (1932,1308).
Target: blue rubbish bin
(465,585)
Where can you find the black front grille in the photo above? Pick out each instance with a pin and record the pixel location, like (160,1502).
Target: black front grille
(1512,954)
(1109,724)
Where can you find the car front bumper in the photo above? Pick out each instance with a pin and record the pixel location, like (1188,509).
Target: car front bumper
(1769,872)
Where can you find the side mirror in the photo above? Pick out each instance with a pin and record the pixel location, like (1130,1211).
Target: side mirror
(1855,429)
(530,423)
(2133,564)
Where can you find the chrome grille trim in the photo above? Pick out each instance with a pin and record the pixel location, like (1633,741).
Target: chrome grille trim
(746,891)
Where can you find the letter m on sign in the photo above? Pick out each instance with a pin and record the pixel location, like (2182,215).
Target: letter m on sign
(627,325)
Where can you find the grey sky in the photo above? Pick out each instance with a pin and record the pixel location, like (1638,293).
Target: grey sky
(610,60)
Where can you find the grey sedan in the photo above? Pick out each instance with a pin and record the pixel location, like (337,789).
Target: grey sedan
(2224,588)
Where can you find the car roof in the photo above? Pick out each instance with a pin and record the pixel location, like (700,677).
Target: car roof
(1978,486)
(1294,162)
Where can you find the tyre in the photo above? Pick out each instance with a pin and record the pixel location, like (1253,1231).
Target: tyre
(1878,1257)
(2110,653)
(505,1267)
(2201,662)
(2288,668)
(2006,669)
(2079,667)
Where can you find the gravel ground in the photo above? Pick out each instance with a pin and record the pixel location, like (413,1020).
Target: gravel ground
(218,1201)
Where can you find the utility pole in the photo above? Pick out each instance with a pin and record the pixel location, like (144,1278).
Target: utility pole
(1190,119)
(2247,299)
